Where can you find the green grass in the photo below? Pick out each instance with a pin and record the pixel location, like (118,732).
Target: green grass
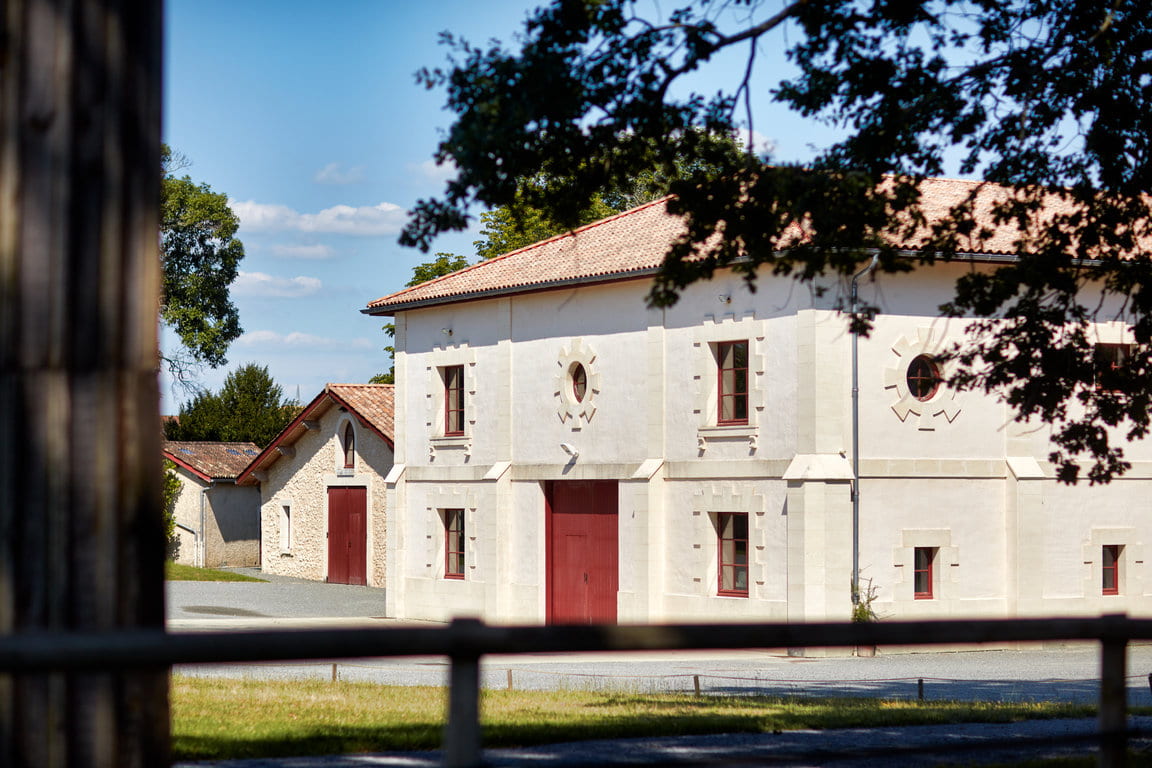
(176,572)
(216,718)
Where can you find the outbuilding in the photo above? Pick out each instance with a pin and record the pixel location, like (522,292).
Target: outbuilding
(217,521)
(322,493)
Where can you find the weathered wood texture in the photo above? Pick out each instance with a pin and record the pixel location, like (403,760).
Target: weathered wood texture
(81,538)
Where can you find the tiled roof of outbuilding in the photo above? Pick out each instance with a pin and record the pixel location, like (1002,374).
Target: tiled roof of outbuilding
(632,244)
(211,461)
(371,404)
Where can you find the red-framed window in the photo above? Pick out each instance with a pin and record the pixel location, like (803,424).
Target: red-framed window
(923,567)
(579,382)
(732,369)
(454,400)
(1110,362)
(453,543)
(349,446)
(1110,569)
(732,540)
(923,378)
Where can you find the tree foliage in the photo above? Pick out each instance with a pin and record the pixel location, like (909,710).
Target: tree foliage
(250,407)
(201,255)
(421,273)
(171,494)
(1048,100)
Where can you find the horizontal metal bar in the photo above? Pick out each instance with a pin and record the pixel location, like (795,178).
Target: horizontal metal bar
(468,637)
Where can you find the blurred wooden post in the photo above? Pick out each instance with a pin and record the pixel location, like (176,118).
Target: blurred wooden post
(1113,713)
(81,537)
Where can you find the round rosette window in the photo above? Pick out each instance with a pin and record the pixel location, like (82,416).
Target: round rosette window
(579,378)
(923,378)
(916,380)
(577,384)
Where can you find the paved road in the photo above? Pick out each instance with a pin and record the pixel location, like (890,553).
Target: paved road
(1067,673)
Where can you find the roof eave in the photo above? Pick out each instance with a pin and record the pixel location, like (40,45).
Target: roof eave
(392,309)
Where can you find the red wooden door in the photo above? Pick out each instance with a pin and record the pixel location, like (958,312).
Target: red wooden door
(348,535)
(583,551)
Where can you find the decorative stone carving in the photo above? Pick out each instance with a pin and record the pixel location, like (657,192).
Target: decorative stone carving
(942,407)
(568,406)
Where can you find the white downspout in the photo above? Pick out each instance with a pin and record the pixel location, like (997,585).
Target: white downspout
(856,433)
(201,543)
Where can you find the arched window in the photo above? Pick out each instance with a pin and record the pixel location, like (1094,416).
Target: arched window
(349,446)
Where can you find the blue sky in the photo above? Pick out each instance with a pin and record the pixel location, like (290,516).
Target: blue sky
(308,116)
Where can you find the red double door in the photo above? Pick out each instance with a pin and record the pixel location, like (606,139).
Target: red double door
(348,535)
(582,527)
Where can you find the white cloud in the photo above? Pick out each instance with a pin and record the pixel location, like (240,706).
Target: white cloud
(761,144)
(434,171)
(298,339)
(382,219)
(261,284)
(335,173)
(303,251)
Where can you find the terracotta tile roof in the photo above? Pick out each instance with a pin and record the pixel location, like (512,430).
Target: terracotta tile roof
(632,244)
(211,461)
(371,404)
(627,244)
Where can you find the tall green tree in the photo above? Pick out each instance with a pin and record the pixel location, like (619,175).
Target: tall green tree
(1048,100)
(201,254)
(421,273)
(250,407)
(524,221)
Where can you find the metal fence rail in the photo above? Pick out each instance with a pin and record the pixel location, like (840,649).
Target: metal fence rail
(465,641)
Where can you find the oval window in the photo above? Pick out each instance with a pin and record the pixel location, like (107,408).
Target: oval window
(579,382)
(923,378)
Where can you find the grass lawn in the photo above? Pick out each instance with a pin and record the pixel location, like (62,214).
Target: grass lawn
(176,572)
(232,718)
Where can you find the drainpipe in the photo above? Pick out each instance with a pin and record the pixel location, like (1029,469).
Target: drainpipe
(203,539)
(856,434)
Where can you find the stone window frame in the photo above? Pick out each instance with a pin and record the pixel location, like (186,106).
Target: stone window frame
(939,409)
(713,500)
(437,361)
(439,499)
(1129,571)
(568,407)
(947,558)
(705,341)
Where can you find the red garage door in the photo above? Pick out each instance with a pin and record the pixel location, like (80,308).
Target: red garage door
(348,535)
(582,531)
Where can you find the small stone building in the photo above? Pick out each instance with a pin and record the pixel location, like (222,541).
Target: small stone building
(217,522)
(322,492)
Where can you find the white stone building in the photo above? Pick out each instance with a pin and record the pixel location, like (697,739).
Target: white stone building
(566,454)
(321,487)
(217,522)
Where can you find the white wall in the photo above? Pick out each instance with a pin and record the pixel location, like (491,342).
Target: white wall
(954,473)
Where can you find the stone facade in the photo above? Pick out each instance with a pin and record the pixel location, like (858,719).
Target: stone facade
(297,475)
(950,478)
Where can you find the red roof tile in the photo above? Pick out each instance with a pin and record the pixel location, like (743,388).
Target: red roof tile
(211,461)
(371,404)
(632,244)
